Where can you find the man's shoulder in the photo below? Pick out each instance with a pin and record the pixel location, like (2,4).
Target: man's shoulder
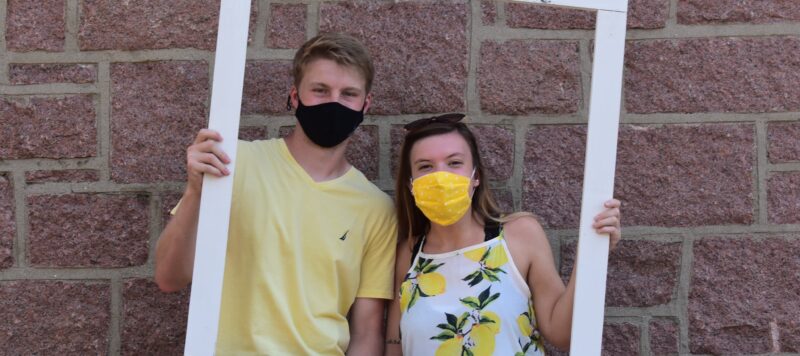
(377,198)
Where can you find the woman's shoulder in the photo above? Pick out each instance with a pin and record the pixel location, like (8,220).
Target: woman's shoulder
(524,229)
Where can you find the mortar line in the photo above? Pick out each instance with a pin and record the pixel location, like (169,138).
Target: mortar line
(155,207)
(4,59)
(761,175)
(103,118)
(115,337)
(72,23)
(585,58)
(518,170)
(684,286)
(644,336)
(260,36)
(474,25)
(20,243)
(672,14)
(313,14)
(501,19)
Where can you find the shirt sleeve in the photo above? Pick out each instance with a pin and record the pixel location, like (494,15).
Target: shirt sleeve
(377,266)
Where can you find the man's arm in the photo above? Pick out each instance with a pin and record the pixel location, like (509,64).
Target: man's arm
(176,245)
(366,327)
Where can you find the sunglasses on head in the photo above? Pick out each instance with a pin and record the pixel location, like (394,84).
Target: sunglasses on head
(446,119)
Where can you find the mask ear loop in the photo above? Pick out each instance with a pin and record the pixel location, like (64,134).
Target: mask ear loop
(289,102)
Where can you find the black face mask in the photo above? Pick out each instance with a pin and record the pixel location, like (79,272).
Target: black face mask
(328,124)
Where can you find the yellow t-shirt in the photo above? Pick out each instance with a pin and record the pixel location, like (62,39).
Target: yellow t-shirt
(299,253)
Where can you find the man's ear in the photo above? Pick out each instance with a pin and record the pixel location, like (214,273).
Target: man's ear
(367,102)
(293,97)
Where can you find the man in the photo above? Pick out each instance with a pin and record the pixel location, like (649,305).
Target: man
(311,241)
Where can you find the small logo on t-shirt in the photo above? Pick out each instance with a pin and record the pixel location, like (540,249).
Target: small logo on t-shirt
(344,236)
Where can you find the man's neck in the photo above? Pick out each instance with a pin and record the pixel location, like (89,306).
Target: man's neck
(321,164)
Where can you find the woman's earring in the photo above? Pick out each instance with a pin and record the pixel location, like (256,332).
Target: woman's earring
(289,102)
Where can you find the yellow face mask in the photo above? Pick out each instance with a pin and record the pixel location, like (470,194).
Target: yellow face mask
(442,196)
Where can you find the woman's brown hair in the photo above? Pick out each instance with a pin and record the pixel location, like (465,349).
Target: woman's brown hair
(411,222)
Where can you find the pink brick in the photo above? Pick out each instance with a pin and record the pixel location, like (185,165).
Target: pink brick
(150,24)
(408,48)
(526,15)
(157,108)
(692,12)
(640,273)
(784,142)
(504,199)
(789,338)
(496,147)
(168,202)
(252,133)
(153,322)
(397,136)
(642,14)
(66,176)
(266,87)
(620,339)
(783,198)
(488,12)
(740,286)
(509,84)
(362,151)
(54,318)
(35,25)
(20,73)
(664,337)
(287,26)
(48,127)
(749,74)
(88,230)
(674,175)
(8,228)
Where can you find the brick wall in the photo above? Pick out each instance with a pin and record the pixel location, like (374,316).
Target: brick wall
(100,98)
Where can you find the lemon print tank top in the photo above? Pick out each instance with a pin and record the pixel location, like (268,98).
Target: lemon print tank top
(472,301)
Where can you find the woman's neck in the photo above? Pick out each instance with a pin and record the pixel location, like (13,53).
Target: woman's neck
(465,232)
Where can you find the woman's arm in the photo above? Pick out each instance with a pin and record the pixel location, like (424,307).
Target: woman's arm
(402,264)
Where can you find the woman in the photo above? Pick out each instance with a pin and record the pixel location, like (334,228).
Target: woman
(471,281)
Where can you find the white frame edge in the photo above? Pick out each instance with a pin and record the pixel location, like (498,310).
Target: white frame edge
(215,201)
(598,179)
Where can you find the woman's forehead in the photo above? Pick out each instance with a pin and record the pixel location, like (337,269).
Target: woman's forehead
(440,147)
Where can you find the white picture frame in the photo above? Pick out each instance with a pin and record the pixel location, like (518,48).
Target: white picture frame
(598,184)
(215,201)
(598,179)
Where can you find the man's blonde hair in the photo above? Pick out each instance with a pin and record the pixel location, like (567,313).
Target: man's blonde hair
(340,48)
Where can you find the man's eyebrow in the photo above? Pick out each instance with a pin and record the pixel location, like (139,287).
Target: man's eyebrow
(319,84)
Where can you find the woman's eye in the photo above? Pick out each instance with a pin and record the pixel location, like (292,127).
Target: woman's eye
(455,164)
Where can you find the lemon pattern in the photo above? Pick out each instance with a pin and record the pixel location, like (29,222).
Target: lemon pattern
(469,302)
(491,260)
(423,282)
(528,326)
(474,329)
